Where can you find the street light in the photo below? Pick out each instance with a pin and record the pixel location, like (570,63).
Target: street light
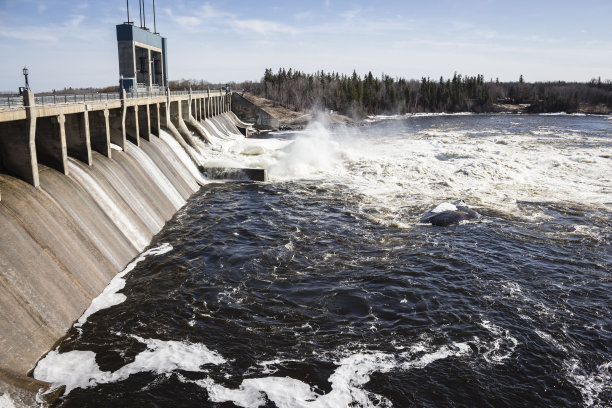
(25,74)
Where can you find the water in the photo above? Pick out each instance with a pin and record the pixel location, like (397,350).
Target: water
(321,288)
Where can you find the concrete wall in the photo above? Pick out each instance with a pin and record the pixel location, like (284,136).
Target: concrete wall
(249,112)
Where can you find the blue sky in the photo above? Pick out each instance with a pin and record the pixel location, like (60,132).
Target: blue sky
(72,43)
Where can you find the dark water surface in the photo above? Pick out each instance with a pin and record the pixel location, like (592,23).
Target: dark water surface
(296,293)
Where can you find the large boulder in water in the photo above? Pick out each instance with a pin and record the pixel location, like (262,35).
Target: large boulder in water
(449,213)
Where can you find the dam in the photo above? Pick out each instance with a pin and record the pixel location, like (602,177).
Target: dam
(86,181)
(84,187)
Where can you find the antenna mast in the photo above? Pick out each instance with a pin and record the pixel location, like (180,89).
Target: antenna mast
(140,10)
(127,4)
(144,15)
(154,22)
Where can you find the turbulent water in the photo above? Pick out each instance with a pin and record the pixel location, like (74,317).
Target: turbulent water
(321,288)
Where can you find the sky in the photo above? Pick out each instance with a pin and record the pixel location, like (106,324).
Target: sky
(73,43)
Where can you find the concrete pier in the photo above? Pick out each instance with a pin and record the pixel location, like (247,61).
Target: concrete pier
(116,127)
(77,136)
(51,149)
(144,123)
(50,133)
(17,141)
(99,132)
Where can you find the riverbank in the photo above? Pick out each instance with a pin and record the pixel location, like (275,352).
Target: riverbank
(294,120)
(291,119)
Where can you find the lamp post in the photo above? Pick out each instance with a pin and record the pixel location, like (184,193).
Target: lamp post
(25,74)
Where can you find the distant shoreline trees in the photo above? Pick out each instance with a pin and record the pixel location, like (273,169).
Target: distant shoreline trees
(356,95)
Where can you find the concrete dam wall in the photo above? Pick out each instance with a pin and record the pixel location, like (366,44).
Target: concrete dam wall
(62,241)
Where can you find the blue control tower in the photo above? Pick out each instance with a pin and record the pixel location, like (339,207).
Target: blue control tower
(143,65)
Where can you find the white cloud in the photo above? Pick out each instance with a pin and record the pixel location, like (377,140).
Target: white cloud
(188,20)
(209,18)
(350,14)
(75,21)
(263,27)
(304,15)
(29,34)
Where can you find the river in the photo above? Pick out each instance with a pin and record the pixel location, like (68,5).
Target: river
(322,288)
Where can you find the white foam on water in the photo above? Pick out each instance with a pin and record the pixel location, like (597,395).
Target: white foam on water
(590,385)
(346,382)
(315,154)
(379,118)
(6,401)
(158,177)
(513,289)
(109,296)
(503,345)
(547,337)
(453,350)
(117,216)
(236,151)
(74,369)
(487,167)
(78,369)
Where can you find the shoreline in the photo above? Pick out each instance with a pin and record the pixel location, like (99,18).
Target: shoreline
(298,120)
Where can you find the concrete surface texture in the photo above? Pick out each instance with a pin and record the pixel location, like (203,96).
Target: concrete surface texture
(246,109)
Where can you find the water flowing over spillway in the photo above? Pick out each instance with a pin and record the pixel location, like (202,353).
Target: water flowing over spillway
(322,288)
(61,244)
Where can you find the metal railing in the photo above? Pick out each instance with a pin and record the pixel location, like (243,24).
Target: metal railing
(67,99)
(11,101)
(145,94)
(16,101)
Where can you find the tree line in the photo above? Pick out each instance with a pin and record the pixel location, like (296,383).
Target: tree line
(360,95)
